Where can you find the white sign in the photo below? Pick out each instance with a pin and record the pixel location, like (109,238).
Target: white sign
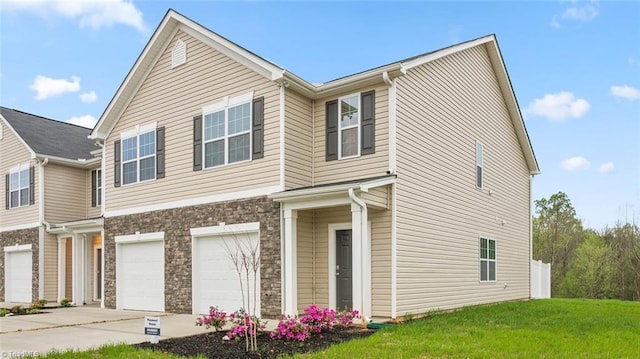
(152,327)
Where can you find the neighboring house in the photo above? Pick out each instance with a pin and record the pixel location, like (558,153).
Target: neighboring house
(50,221)
(400,189)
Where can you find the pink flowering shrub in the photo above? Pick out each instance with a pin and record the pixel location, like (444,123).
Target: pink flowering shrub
(215,319)
(314,320)
(242,324)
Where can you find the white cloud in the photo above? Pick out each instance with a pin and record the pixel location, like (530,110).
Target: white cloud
(581,13)
(575,163)
(88,97)
(87,121)
(46,87)
(559,106)
(94,14)
(606,167)
(628,92)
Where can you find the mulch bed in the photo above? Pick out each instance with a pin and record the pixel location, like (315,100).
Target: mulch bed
(211,345)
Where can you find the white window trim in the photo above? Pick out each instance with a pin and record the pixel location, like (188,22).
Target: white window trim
(136,132)
(358,95)
(480,164)
(98,193)
(480,260)
(18,248)
(18,169)
(224,105)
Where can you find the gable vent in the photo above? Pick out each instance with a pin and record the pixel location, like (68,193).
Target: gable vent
(179,54)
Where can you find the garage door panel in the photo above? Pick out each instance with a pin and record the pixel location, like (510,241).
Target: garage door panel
(18,276)
(215,276)
(141,276)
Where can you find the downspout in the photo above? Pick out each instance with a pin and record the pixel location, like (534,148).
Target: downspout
(392,122)
(530,230)
(42,222)
(365,277)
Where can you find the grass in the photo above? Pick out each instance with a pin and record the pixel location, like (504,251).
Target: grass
(556,328)
(118,351)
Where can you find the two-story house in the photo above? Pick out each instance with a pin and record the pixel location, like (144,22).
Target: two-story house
(50,223)
(400,189)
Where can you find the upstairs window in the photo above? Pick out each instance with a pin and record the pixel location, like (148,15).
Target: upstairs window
(229,131)
(139,155)
(350,126)
(479,164)
(96,188)
(19,189)
(487,260)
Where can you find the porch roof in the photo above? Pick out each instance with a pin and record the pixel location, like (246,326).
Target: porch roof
(331,194)
(81,226)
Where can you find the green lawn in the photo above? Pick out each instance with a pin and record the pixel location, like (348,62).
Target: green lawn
(555,328)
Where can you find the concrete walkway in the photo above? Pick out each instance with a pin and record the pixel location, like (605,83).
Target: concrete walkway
(81,328)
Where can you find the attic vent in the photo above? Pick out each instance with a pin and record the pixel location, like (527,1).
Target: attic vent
(179,54)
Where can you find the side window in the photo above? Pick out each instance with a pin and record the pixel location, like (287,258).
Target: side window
(487,260)
(96,188)
(350,126)
(479,165)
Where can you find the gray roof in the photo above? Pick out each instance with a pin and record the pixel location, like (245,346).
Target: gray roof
(50,137)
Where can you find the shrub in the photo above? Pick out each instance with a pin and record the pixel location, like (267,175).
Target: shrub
(243,324)
(314,320)
(17,310)
(64,302)
(4,312)
(38,304)
(215,319)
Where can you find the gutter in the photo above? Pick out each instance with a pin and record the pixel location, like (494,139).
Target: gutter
(80,162)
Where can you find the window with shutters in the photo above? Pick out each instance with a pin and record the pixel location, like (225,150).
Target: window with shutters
(479,165)
(139,155)
(487,260)
(350,126)
(96,178)
(19,181)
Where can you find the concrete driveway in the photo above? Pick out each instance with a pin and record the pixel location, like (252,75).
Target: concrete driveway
(81,328)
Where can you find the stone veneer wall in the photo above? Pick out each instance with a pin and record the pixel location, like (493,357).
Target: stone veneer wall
(21,236)
(176,224)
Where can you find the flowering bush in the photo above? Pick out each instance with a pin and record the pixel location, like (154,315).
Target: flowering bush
(314,320)
(215,319)
(243,324)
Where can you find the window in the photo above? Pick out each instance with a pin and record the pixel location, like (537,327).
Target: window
(478,164)
(349,134)
(19,187)
(227,135)
(350,126)
(229,131)
(139,158)
(96,188)
(487,260)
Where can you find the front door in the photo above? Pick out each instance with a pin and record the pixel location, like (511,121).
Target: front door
(344,292)
(98,275)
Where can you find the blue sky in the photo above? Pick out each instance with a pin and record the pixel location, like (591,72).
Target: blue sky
(574,66)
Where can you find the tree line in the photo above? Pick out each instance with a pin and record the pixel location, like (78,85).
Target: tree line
(586,263)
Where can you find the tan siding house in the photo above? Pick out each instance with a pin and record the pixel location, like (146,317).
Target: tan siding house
(46,201)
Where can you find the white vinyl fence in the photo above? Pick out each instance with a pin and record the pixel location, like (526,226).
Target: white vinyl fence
(540,280)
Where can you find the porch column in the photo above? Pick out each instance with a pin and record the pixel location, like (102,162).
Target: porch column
(289,263)
(78,254)
(361,258)
(62,261)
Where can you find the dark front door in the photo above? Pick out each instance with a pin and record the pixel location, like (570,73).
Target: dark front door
(344,290)
(99,273)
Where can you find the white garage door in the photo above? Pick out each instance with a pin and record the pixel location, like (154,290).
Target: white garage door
(215,278)
(140,276)
(17,276)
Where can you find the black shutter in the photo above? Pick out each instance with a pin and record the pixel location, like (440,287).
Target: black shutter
(93,188)
(32,190)
(116,163)
(368,134)
(160,152)
(197,143)
(257,146)
(6,191)
(331,109)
